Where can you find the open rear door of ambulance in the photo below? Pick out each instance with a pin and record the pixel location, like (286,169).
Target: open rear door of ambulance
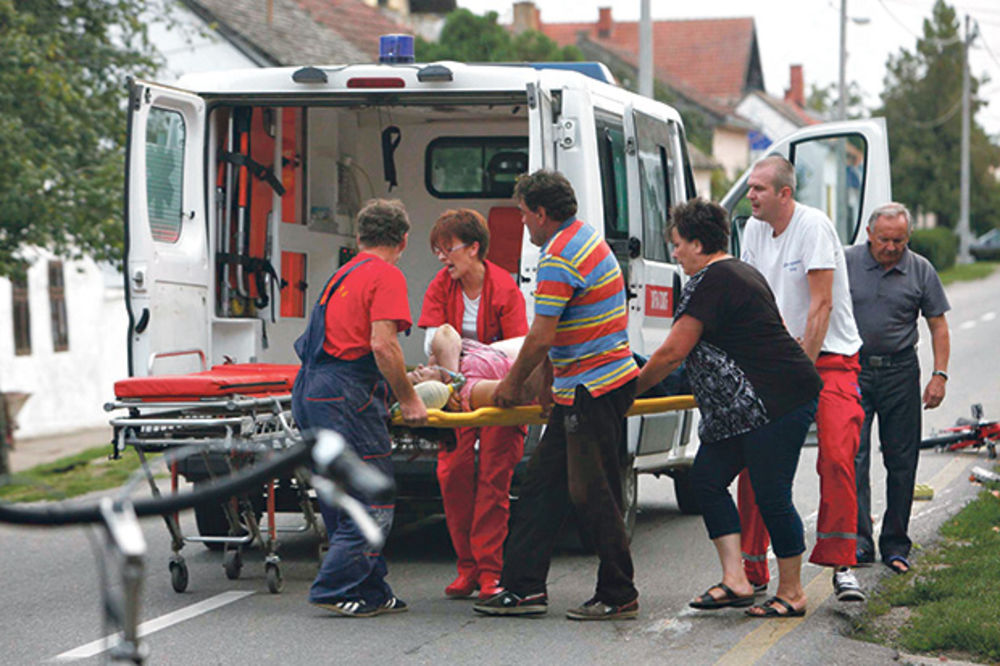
(655,182)
(167,266)
(541,154)
(841,168)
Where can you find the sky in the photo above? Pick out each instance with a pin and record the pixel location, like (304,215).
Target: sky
(809,35)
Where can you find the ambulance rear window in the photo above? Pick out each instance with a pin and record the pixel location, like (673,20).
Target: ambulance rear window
(475,167)
(164,156)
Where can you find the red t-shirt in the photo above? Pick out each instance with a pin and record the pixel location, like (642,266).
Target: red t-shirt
(374,291)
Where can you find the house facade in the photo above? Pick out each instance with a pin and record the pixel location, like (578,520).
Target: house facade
(707,65)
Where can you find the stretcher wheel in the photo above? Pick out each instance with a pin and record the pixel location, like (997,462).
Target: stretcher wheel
(232,562)
(275,581)
(178,576)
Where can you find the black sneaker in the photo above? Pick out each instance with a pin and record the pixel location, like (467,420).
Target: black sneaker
(391,605)
(508,603)
(354,608)
(759,589)
(348,607)
(598,610)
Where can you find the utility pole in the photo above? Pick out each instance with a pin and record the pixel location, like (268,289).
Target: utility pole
(964,234)
(842,79)
(645,50)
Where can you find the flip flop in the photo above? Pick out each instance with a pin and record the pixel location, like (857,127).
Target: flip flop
(897,563)
(708,602)
(770,612)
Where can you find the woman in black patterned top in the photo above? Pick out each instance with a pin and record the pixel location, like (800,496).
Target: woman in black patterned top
(756,391)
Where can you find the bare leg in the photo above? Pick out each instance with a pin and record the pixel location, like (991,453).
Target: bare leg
(446,347)
(789,586)
(733,576)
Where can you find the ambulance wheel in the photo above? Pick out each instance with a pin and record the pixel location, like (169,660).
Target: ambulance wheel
(275,581)
(232,562)
(178,576)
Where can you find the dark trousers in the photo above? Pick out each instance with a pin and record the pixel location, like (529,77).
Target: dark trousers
(892,393)
(576,464)
(771,454)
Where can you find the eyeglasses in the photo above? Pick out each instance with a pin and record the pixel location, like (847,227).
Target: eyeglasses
(444,253)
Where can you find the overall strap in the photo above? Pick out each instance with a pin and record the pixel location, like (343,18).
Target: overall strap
(328,289)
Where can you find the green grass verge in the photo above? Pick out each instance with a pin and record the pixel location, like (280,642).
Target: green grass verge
(951,602)
(74,475)
(967,272)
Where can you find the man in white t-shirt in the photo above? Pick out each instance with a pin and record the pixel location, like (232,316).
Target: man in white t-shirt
(797,250)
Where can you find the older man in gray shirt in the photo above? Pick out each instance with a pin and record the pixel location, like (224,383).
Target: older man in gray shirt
(891,286)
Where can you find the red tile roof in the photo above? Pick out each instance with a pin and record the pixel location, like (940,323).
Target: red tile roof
(711,56)
(354,21)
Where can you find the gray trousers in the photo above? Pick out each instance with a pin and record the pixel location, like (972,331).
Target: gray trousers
(892,393)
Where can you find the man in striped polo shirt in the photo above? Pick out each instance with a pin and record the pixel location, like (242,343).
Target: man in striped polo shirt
(579,336)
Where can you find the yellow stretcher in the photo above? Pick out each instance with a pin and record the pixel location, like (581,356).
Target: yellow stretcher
(532,414)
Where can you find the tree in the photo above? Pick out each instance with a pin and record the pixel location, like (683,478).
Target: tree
(922,106)
(824,100)
(468,37)
(63,67)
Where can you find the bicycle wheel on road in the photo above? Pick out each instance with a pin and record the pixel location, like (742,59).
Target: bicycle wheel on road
(945,439)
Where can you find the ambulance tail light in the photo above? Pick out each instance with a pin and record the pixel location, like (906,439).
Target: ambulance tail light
(376,82)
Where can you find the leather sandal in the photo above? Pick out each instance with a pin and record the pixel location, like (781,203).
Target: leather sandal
(707,602)
(770,608)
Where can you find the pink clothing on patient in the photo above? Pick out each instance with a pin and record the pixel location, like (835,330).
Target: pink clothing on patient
(479,362)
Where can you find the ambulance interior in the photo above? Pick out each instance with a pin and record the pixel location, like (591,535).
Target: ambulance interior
(328,161)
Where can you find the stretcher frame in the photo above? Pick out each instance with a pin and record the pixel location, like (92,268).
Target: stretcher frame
(243,429)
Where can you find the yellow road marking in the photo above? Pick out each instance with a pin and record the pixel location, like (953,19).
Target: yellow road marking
(755,645)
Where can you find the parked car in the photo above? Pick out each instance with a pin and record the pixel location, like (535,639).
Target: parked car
(987,246)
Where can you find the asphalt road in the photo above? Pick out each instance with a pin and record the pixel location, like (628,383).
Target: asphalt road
(50,591)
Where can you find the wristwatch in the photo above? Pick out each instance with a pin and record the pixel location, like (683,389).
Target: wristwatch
(940,373)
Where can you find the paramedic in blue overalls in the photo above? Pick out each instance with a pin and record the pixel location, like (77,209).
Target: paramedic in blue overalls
(351,359)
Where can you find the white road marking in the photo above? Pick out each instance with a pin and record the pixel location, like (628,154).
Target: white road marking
(989,316)
(103,644)
(966,325)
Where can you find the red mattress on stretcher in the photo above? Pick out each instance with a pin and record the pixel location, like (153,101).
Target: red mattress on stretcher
(254,379)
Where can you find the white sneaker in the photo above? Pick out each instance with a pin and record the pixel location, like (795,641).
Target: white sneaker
(845,584)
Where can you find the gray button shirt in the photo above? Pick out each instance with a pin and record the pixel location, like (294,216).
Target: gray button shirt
(887,302)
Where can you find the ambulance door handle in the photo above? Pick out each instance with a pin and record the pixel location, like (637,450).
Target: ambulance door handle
(143,321)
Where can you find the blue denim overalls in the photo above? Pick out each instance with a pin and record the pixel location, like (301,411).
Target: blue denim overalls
(349,397)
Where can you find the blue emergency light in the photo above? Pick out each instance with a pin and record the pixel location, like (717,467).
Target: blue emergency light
(394,49)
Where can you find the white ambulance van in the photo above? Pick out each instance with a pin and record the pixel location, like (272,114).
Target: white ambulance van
(242,187)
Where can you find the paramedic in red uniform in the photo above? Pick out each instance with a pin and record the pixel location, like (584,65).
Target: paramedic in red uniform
(579,335)
(481,301)
(797,250)
(351,358)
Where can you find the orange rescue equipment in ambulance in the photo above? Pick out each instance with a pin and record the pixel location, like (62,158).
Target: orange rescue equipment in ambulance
(247,189)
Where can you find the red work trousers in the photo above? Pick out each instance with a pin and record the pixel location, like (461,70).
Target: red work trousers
(476,497)
(838,428)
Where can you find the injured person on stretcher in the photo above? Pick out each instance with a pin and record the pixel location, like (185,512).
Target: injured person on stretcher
(482,365)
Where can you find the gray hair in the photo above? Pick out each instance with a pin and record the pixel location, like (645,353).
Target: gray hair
(784,172)
(382,223)
(891,209)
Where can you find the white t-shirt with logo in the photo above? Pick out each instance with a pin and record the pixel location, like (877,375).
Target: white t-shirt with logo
(809,242)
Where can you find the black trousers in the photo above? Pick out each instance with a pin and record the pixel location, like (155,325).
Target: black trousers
(892,393)
(576,464)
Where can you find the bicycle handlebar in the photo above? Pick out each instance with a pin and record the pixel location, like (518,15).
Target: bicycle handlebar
(330,457)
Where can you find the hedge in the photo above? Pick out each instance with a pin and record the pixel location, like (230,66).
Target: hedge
(939,245)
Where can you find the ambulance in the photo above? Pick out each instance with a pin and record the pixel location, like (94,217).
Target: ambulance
(242,189)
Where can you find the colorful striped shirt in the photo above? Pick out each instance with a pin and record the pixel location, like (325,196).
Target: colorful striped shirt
(579,282)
